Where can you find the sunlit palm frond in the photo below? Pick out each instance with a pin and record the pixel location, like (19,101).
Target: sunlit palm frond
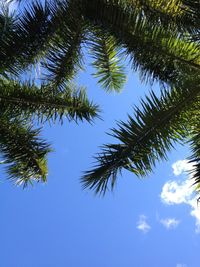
(110,70)
(156,52)
(23,151)
(28,101)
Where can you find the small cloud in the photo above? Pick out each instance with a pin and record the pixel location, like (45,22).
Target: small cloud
(170,223)
(142,224)
(182,192)
(181,265)
(181,166)
(177,192)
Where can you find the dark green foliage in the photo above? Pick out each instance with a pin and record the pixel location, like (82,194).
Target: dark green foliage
(26,40)
(64,57)
(54,34)
(156,52)
(159,38)
(195,157)
(27,100)
(20,145)
(23,151)
(146,139)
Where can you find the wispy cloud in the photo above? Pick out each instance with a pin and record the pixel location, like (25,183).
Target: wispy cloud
(170,223)
(142,224)
(181,192)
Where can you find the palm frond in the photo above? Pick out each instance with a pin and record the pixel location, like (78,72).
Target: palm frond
(107,61)
(173,14)
(27,40)
(28,101)
(146,138)
(144,40)
(23,151)
(64,58)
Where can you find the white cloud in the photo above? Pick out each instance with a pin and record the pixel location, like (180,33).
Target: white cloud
(181,166)
(170,223)
(177,192)
(181,192)
(142,224)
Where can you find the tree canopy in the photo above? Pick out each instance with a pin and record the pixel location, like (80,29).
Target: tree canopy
(160,39)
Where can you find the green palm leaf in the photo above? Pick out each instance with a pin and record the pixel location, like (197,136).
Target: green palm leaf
(64,57)
(28,101)
(27,40)
(156,52)
(23,151)
(107,61)
(147,137)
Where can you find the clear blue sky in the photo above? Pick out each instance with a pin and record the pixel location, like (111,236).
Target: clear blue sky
(153,222)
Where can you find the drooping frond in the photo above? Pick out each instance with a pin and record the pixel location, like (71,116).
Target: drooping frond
(154,51)
(171,7)
(145,138)
(130,21)
(64,58)
(28,101)
(171,14)
(27,39)
(7,28)
(107,61)
(23,151)
(63,25)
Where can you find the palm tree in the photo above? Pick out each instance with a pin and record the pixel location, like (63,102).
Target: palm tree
(161,42)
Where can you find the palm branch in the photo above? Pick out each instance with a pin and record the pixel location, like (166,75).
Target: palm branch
(23,104)
(23,151)
(29,101)
(148,136)
(110,72)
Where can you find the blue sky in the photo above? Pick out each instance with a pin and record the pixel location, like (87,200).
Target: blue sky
(150,222)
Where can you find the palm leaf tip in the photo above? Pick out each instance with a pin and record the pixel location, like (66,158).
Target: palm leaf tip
(103,176)
(99,182)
